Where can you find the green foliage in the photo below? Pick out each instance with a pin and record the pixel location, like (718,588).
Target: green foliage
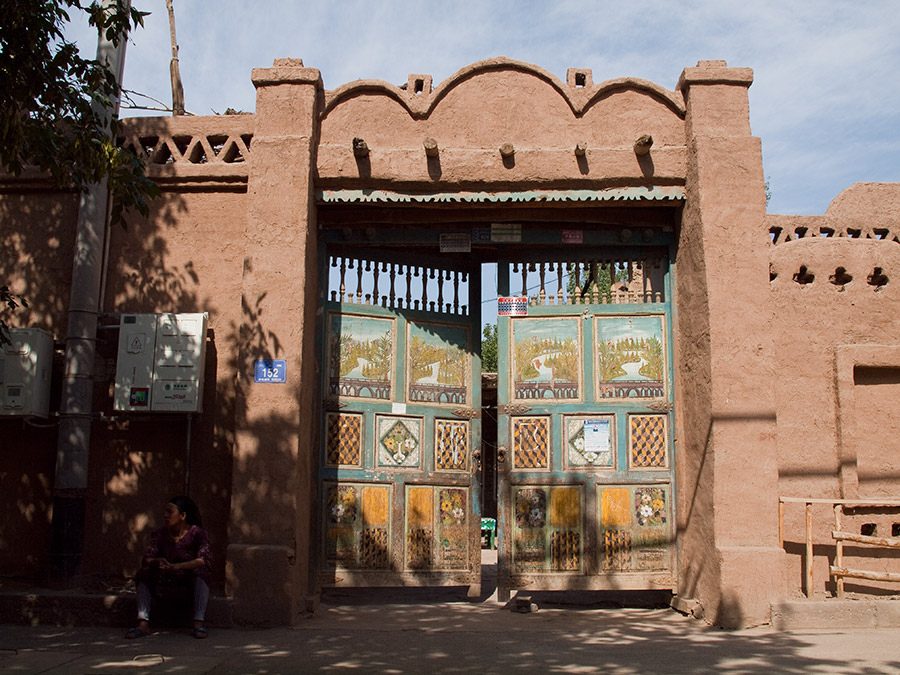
(594,279)
(489,348)
(52,104)
(12,302)
(52,101)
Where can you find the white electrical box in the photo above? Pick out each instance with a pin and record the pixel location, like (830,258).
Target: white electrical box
(160,362)
(25,367)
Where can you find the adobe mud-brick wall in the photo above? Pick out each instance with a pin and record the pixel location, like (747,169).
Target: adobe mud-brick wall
(729,553)
(834,289)
(273,496)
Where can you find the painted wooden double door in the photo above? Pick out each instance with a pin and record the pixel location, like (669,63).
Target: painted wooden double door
(401,432)
(585,427)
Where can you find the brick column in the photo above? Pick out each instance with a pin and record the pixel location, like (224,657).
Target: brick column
(730,558)
(273,489)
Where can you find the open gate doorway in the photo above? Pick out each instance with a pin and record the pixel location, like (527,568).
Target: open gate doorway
(584,454)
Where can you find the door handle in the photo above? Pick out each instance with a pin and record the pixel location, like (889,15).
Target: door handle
(501,454)
(476,459)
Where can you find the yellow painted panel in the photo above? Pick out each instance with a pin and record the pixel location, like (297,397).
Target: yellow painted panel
(376,506)
(565,507)
(420,507)
(615,508)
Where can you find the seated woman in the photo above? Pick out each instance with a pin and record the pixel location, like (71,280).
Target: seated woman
(178,555)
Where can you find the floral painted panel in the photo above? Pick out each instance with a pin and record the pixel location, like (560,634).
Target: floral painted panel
(530,536)
(546,362)
(635,528)
(453,531)
(357,529)
(650,506)
(438,364)
(631,362)
(547,536)
(590,441)
(437,528)
(531,508)
(360,357)
(399,442)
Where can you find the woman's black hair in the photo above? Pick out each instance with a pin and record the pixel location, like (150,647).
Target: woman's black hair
(189,508)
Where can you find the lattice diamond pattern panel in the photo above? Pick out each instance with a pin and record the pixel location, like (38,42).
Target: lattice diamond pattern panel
(565,551)
(616,550)
(531,442)
(373,553)
(418,548)
(648,442)
(344,440)
(451,445)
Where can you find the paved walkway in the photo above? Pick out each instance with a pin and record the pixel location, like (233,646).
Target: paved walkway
(439,632)
(452,637)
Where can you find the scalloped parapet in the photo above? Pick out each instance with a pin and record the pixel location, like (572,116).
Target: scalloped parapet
(549,130)
(579,91)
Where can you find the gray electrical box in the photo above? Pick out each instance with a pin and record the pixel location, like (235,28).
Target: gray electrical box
(160,362)
(25,367)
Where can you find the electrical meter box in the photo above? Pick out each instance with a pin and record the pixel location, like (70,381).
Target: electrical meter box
(25,367)
(160,362)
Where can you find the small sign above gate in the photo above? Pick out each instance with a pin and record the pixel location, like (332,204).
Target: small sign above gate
(573,236)
(452,242)
(508,233)
(512,306)
(270,371)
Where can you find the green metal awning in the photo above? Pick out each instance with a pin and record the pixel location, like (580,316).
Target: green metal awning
(669,193)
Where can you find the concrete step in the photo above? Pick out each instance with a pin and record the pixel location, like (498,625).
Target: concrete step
(835,613)
(45,607)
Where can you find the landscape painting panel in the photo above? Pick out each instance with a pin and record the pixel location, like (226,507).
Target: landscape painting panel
(360,356)
(438,364)
(630,357)
(546,359)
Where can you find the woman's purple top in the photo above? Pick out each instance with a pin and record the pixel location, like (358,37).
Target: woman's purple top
(194,544)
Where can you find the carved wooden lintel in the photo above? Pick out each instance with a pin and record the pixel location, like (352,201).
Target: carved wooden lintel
(513,409)
(660,406)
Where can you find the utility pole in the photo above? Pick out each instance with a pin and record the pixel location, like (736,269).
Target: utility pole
(76,407)
(174,73)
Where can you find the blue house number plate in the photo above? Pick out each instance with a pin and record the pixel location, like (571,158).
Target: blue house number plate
(270,371)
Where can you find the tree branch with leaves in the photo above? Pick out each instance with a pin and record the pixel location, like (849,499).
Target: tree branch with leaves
(54,105)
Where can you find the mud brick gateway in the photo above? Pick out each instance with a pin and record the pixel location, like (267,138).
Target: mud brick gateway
(644,434)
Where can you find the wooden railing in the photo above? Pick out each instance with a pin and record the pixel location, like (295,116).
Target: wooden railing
(838,571)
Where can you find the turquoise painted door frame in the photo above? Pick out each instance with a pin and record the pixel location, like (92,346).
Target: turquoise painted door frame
(585,422)
(400,445)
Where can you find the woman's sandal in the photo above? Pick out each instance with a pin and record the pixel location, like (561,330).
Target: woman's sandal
(136,632)
(200,632)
